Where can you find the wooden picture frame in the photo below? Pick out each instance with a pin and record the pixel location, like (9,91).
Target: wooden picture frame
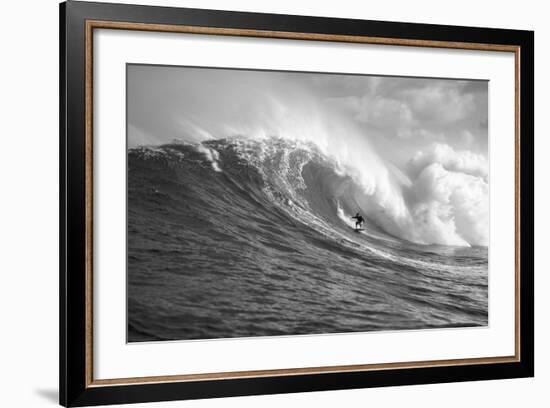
(78,20)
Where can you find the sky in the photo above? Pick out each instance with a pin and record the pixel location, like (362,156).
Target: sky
(399,116)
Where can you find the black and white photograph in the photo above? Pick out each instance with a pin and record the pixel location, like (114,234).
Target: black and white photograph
(272,203)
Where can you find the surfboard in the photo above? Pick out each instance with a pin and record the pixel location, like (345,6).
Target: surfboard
(358,230)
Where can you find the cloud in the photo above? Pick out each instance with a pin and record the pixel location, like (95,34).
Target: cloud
(422,111)
(440,103)
(464,161)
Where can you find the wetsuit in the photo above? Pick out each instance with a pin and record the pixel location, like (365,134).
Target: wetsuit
(359,221)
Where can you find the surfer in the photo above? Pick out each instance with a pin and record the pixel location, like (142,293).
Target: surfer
(359,220)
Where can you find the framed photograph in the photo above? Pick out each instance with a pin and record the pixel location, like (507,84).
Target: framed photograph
(256,203)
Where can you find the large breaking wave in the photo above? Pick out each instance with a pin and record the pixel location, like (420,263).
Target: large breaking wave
(443,199)
(239,237)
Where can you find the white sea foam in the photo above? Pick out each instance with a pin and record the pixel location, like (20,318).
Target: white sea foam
(342,215)
(211,155)
(450,207)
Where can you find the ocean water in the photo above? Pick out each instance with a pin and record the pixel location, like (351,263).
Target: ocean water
(241,238)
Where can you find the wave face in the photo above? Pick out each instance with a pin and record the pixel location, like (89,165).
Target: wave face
(239,237)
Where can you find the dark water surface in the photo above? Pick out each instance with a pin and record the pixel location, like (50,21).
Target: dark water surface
(240,239)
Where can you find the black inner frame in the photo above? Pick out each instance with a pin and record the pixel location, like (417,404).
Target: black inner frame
(73,390)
